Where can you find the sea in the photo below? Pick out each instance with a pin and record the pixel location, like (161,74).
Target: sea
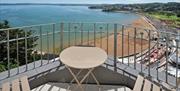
(25,15)
(28,15)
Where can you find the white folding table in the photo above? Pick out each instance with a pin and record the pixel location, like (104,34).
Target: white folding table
(83,58)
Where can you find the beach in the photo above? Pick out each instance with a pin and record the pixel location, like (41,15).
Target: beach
(127,47)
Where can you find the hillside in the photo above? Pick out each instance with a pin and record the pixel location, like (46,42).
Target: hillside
(166,12)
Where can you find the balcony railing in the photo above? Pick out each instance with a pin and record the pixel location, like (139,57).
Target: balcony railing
(149,51)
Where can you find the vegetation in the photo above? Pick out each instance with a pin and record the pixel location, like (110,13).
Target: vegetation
(167,12)
(14,60)
(169,18)
(171,7)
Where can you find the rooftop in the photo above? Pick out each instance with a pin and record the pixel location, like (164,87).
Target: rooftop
(131,51)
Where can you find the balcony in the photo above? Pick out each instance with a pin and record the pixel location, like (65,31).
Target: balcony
(131,51)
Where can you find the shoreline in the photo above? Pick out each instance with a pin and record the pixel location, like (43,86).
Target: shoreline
(102,42)
(149,22)
(141,24)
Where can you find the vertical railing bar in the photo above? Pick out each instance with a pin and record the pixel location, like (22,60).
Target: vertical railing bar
(61,34)
(177,45)
(94,34)
(115,47)
(149,45)
(135,32)
(107,27)
(75,35)
(40,29)
(128,49)
(122,44)
(101,38)
(158,59)
(88,36)
(17,52)
(69,29)
(48,46)
(141,50)
(158,70)
(53,25)
(26,50)
(8,55)
(167,51)
(34,52)
(81,33)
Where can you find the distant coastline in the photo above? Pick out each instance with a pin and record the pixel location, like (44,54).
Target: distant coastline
(168,13)
(60,4)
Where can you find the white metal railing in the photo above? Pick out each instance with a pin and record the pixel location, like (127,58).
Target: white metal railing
(50,38)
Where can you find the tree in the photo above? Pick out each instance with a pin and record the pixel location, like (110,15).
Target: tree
(13,34)
(169,14)
(178,14)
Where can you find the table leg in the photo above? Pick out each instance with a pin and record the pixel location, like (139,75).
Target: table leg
(88,73)
(74,79)
(74,76)
(97,82)
(95,78)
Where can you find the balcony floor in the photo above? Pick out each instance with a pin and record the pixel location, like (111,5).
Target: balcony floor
(64,86)
(51,70)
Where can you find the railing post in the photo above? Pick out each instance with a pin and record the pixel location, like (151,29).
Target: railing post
(48,45)
(135,48)
(34,64)
(61,34)
(8,55)
(94,34)
(81,33)
(141,49)
(88,38)
(17,52)
(115,47)
(53,25)
(69,29)
(26,59)
(128,49)
(122,44)
(158,61)
(177,47)
(75,39)
(149,46)
(101,36)
(41,43)
(167,51)
(107,38)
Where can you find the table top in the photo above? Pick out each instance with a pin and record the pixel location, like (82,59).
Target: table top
(83,57)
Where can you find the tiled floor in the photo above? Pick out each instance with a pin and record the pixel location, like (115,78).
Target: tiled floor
(73,87)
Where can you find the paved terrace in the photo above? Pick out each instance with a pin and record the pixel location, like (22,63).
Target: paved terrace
(56,74)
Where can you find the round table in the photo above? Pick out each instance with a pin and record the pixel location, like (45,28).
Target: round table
(83,57)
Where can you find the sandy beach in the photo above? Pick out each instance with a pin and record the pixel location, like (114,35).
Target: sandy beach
(130,45)
(141,25)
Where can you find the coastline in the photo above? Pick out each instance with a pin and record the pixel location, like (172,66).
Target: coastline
(141,24)
(149,22)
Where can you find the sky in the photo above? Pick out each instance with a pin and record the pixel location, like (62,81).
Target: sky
(87,1)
